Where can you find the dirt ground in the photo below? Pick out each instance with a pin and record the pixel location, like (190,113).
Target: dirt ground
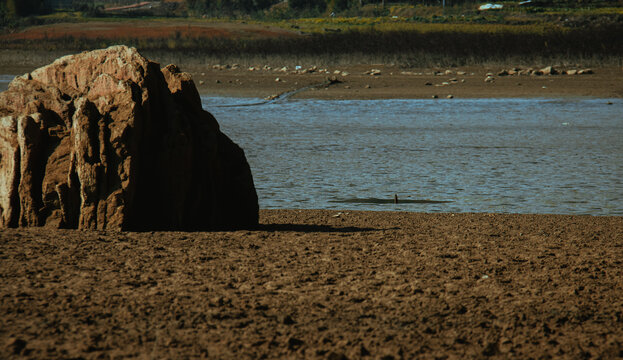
(320,284)
(395,82)
(392,82)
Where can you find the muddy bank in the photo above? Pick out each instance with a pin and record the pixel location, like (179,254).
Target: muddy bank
(320,284)
(393,82)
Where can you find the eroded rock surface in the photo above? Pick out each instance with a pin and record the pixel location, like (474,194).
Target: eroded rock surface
(108,140)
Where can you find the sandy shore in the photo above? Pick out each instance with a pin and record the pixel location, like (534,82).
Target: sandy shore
(320,284)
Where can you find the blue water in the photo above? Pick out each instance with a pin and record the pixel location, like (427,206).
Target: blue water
(560,156)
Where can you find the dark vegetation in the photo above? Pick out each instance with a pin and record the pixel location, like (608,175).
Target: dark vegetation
(564,31)
(409,48)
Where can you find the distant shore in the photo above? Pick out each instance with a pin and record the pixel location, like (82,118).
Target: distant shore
(392,82)
(320,284)
(409,83)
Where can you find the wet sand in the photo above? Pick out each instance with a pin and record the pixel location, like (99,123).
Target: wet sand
(320,284)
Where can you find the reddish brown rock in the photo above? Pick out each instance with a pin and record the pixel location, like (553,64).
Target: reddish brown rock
(107,140)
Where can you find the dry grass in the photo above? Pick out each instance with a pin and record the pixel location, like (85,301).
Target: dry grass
(360,40)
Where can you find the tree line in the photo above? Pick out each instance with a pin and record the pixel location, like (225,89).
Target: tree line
(18,8)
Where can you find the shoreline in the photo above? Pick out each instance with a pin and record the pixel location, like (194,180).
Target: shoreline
(320,284)
(398,83)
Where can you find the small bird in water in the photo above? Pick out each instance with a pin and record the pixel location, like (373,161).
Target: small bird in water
(395,198)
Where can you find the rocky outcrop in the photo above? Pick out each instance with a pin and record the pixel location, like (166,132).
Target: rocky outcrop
(108,140)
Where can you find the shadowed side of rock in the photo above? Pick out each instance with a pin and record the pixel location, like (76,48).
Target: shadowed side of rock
(107,140)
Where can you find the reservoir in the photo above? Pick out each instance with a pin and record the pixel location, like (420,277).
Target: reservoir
(562,156)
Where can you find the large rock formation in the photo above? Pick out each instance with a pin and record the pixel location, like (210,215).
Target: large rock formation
(107,140)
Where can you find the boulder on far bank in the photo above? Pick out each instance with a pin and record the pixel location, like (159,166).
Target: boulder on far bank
(107,140)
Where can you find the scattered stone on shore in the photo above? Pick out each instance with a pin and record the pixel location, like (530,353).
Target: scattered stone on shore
(367,86)
(549,70)
(450,96)
(108,140)
(373,72)
(332,80)
(489,79)
(585,72)
(345,73)
(435,97)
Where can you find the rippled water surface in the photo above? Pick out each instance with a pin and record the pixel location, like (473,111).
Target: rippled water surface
(479,155)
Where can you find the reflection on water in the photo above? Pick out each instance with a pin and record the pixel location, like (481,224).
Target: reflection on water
(479,155)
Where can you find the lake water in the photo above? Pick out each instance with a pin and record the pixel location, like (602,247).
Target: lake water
(5,80)
(561,156)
